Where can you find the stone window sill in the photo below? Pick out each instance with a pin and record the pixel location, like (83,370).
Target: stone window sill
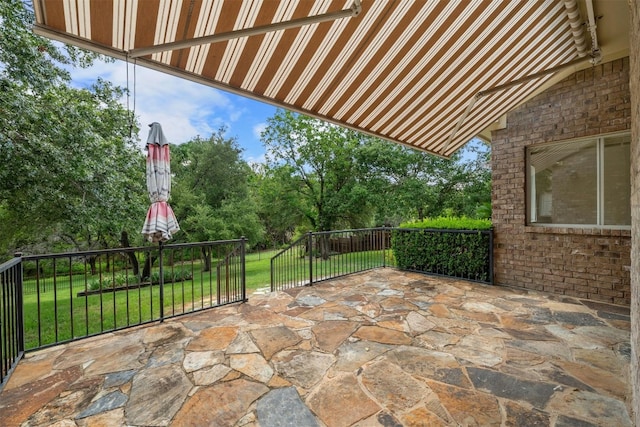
(587,231)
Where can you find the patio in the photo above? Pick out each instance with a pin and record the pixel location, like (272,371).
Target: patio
(381,348)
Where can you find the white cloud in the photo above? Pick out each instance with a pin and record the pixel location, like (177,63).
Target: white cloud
(237,115)
(256,160)
(258,129)
(184,109)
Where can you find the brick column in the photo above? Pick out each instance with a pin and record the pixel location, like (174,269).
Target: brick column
(634,83)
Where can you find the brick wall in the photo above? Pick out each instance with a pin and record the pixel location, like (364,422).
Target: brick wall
(635,205)
(581,262)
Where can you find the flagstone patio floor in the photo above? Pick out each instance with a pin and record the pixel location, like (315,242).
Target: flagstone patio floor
(381,348)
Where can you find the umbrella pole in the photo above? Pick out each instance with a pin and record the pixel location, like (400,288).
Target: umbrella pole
(161,283)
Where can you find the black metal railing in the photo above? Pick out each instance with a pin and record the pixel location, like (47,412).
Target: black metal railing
(11,326)
(329,254)
(74,295)
(464,254)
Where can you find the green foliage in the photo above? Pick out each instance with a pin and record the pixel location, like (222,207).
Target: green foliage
(122,280)
(483,210)
(316,161)
(119,280)
(171,276)
(405,183)
(279,207)
(212,168)
(210,192)
(450,223)
(435,246)
(71,176)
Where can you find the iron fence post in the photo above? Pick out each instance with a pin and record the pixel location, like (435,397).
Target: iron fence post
(20,304)
(272,275)
(310,244)
(243,271)
(161,282)
(384,246)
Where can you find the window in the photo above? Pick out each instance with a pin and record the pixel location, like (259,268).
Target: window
(584,182)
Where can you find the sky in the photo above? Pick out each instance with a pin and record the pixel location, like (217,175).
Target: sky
(184,109)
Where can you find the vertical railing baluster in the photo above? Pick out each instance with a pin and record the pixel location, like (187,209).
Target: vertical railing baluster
(111,264)
(5,345)
(72,319)
(272,261)
(219,284)
(384,247)
(310,258)
(125,262)
(55,298)
(243,271)
(20,303)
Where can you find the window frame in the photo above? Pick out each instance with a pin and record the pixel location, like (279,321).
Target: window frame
(530,194)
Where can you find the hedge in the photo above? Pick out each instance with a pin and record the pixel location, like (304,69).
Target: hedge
(456,247)
(450,223)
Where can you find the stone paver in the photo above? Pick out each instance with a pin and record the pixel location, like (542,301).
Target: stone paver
(341,401)
(382,348)
(283,407)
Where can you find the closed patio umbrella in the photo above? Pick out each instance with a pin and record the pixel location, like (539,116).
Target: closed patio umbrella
(161,222)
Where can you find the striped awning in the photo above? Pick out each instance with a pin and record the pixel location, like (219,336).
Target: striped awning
(420,73)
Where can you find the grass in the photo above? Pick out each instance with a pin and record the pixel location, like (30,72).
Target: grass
(258,270)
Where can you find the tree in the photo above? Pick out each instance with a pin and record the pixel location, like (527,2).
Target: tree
(334,177)
(407,183)
(278,204)
(478,189)
(210,191)
(320,159)
(70,168)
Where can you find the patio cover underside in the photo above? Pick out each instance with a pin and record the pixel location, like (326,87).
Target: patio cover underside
(405,71)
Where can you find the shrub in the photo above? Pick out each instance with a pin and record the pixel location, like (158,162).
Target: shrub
(109,282)
(450,223)
(171,276)
(437,246)
(122,280)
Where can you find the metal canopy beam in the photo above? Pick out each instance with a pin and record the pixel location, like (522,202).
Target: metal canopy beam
(353,11)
